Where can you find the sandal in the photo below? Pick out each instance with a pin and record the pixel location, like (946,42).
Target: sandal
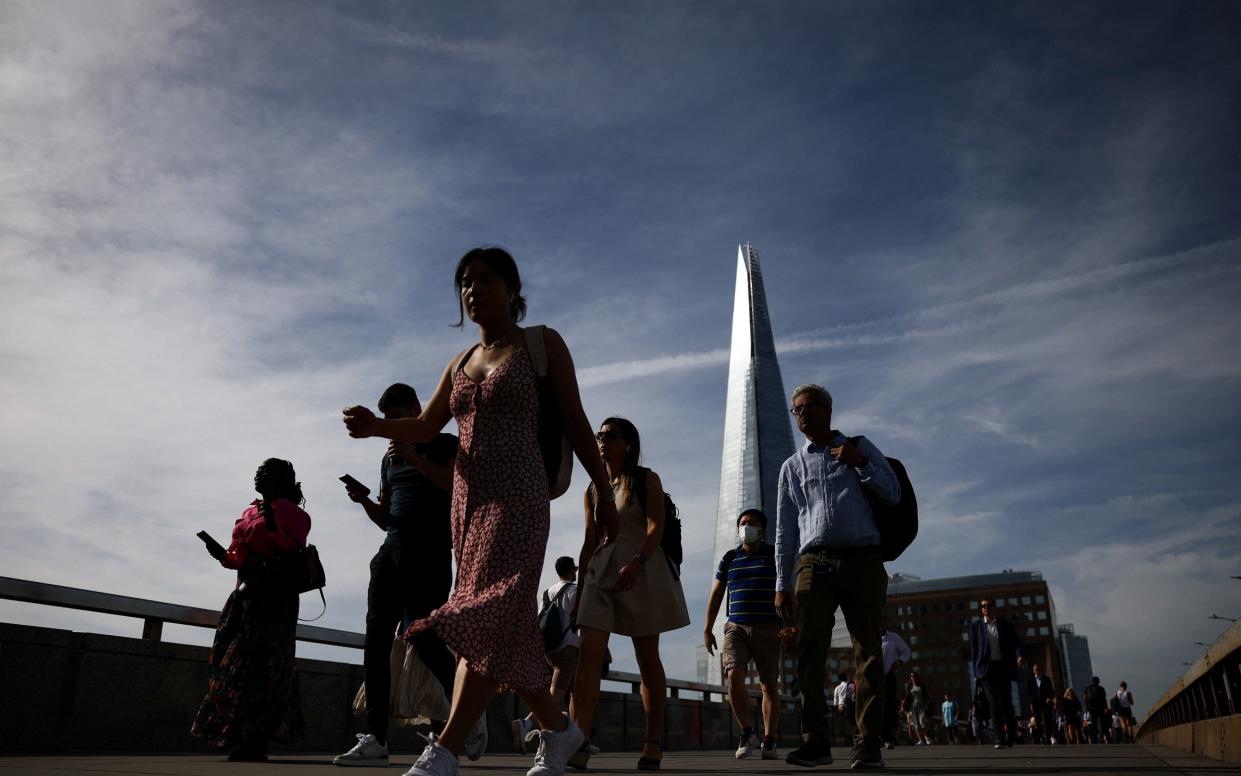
(651,763)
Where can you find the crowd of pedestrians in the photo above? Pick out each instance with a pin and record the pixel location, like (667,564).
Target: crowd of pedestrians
(483,500)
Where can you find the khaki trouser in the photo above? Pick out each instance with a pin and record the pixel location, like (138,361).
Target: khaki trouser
(859,586)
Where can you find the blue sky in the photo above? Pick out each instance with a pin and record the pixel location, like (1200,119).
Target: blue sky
(1006,236)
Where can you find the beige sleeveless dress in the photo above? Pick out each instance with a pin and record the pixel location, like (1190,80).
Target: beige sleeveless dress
(655,604)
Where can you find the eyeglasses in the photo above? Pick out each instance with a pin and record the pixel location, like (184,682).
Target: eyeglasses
(607,436)
(802,409)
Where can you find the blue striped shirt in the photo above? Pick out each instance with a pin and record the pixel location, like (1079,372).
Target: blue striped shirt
(751,580)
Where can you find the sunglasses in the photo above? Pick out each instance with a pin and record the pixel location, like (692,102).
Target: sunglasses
(607,436)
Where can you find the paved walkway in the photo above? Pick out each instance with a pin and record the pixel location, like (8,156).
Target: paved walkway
(1126,760)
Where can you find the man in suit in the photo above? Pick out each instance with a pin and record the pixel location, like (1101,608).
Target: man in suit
(1041,694)
(996,653)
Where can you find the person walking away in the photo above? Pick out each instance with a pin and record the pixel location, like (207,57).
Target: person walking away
(828,556)
(748,575)
(895,654)
(410,574)
(1094,697)
(627,587)
(996,653)
(1124,700)
(252,685)
(500,506)
(563,656)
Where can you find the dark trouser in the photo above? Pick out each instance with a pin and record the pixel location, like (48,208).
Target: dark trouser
(859,586)
(1047,718)
(997,685)
(887,730)
(405,581)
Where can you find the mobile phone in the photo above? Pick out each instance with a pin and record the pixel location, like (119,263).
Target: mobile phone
(214,547)
(351,482)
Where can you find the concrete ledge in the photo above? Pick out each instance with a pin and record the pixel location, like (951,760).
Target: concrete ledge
(1219,739)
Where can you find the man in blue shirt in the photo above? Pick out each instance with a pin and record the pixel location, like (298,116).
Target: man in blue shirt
(752,631)
(828,555)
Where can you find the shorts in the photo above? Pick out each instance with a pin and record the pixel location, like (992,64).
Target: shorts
(760,643)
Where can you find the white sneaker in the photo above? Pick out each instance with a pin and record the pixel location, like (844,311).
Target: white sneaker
(368,751)
(435,760)
(523,730)
(593,749)
(476,740)
(555,749)
(747,745)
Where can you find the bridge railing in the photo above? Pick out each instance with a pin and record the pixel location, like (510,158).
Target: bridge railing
(155,613)
(1209,691)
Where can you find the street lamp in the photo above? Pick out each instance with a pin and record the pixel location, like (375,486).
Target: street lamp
(1217,617)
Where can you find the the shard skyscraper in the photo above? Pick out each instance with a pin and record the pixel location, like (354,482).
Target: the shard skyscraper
(758,436)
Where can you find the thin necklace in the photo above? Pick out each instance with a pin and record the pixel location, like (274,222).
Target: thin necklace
(495,344)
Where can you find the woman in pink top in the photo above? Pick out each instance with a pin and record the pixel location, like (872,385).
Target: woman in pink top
(252,691)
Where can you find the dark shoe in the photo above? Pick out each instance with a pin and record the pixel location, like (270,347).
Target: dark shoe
(866,756)
(810,754)
(651,763)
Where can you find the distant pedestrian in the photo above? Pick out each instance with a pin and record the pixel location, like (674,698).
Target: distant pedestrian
(895,654)
(252,684)
(748,575)
(828,556)
(1071,710)
(843,698)
(561,598)
(996,653)
(1094,698)
(919,701)
(628,587)
(948,712)
(1124,700)
(1041,694)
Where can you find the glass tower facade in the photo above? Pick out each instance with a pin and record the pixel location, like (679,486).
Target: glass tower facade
(758,435)
(1075,651)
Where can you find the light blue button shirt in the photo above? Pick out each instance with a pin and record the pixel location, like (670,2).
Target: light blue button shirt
(821,503)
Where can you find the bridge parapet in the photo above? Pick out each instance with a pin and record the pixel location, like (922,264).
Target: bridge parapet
(1201,711)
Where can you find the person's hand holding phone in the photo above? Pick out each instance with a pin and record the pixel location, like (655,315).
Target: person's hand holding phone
(357,492)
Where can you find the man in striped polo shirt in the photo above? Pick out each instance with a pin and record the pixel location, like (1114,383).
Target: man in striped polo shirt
(752,631)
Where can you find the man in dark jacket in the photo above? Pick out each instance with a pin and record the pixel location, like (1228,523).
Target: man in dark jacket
(1095,699)
(996,654)
(1041,695)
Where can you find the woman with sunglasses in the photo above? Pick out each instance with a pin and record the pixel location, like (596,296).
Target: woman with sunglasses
(627,587)
(500,509)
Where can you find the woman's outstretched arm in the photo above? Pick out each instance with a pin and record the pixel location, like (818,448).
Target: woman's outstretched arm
(362,423)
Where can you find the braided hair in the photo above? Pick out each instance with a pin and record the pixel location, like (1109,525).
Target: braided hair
(275,479)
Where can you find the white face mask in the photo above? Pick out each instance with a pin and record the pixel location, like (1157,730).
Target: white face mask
(749,534)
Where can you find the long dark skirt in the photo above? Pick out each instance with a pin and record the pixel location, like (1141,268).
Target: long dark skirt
(252,688)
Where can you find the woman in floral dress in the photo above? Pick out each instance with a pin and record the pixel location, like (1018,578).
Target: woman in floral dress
(500,508)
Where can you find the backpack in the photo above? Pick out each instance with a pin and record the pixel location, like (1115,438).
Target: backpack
(898,523)
(554,621)
(557,453)
(670,542)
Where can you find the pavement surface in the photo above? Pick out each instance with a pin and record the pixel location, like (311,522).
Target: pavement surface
(1119,759)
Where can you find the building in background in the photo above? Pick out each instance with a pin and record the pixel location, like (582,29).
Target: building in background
(934,615)
(1075,655)
(758,434)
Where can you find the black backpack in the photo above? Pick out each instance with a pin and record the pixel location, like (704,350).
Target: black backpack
(898,523)
(670,542)
(554,621)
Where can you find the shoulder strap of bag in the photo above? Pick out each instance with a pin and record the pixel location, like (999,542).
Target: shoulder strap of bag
(537,348)
(324,600)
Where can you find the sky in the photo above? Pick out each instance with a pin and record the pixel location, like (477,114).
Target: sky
(1006,236)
